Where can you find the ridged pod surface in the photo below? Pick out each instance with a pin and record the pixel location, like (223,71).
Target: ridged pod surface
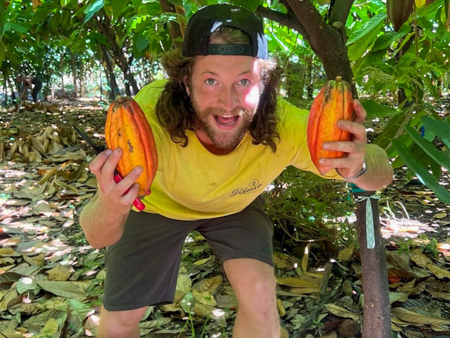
(127,128)
(398,12)
(333,103)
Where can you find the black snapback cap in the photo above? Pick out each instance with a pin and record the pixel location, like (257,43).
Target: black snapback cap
(209,18)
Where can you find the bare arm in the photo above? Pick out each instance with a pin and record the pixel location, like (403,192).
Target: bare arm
(103,218)
(379,171)
(101,228)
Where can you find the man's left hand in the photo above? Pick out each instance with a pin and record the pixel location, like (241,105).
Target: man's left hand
(352,164)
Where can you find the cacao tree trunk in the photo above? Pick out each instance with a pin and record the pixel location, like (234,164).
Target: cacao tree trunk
(176,33)
(61,68)
(74,75)
(127,88)
(310,86)
(5,88)
(82,88)
(377,308)
(100,87)
(401,92)
(328,41)
(110,73)
(105,29)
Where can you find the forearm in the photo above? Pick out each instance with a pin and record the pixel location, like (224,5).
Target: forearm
(379,170)
(100,228)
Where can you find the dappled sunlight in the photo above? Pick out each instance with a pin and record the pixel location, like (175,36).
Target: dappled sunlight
(403,227)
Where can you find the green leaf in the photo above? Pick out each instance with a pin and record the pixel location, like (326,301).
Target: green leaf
(2,52)
(367,28)
(141,42)
(151,9)
(374,109)
(12,26)
(440,128)
(64,3)
(386,39)
(430,181)
(429,148)
(118,7)
(250,5)
(92,9)
(2,17)
(393,129)
(356,50)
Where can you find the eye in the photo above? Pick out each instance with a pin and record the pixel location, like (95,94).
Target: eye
(210,82)
(245,82)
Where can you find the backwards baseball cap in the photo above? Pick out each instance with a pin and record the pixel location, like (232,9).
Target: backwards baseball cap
(209,18)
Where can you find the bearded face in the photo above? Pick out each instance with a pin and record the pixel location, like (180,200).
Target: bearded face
(225,92)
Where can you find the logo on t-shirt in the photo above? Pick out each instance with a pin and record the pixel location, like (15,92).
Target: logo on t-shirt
(252,186)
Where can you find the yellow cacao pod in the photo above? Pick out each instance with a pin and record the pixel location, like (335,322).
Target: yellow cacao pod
(333,103)
(127,128)
(398,12)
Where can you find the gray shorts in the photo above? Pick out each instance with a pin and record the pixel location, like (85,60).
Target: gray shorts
(142,268)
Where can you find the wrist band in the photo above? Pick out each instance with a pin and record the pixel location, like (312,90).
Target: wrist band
(361,172)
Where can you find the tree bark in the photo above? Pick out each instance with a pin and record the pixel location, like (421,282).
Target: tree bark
(109,73)
(81,78)
(104,27)
(328,41)
(61,69)
(74,75)
(310,86)
(377,309)
(5,88)
(176,32)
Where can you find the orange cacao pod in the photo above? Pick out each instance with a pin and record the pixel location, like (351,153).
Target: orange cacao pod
(127,128)
(398,12)
(333,103)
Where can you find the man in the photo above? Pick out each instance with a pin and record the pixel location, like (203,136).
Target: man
(222,136)
(25,83)
(37,86)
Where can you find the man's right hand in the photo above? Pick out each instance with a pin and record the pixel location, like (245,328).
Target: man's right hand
(113,196)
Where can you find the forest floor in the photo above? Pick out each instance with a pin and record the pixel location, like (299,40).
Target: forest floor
(51,280)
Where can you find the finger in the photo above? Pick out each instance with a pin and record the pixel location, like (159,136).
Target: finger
(357,129)
(128,181)
(344,146)
(107,175)
(97,163)
(342,162)
(360,112)
(131,195)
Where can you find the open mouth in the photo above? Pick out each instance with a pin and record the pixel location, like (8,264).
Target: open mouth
(226,120)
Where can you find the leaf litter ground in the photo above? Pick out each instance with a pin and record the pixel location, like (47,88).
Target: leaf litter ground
(51,280)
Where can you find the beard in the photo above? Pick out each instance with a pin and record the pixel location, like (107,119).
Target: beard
(223,139)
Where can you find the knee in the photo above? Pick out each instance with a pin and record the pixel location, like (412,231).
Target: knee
(117,329)
(261,300)
(119,324)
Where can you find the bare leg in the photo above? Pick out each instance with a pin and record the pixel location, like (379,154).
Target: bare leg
(120,324)
(254,284)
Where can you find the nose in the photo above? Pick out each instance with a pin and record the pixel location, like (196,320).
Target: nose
(228,98)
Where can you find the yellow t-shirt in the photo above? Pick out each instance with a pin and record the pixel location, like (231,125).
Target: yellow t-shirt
(191,183)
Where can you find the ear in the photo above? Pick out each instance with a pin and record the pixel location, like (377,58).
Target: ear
(186,86)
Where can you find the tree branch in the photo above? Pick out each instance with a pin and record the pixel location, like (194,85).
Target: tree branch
(307,14)
(288,20)
(340,11)
(174,27)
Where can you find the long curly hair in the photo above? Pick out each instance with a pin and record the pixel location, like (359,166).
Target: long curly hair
(174,109)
